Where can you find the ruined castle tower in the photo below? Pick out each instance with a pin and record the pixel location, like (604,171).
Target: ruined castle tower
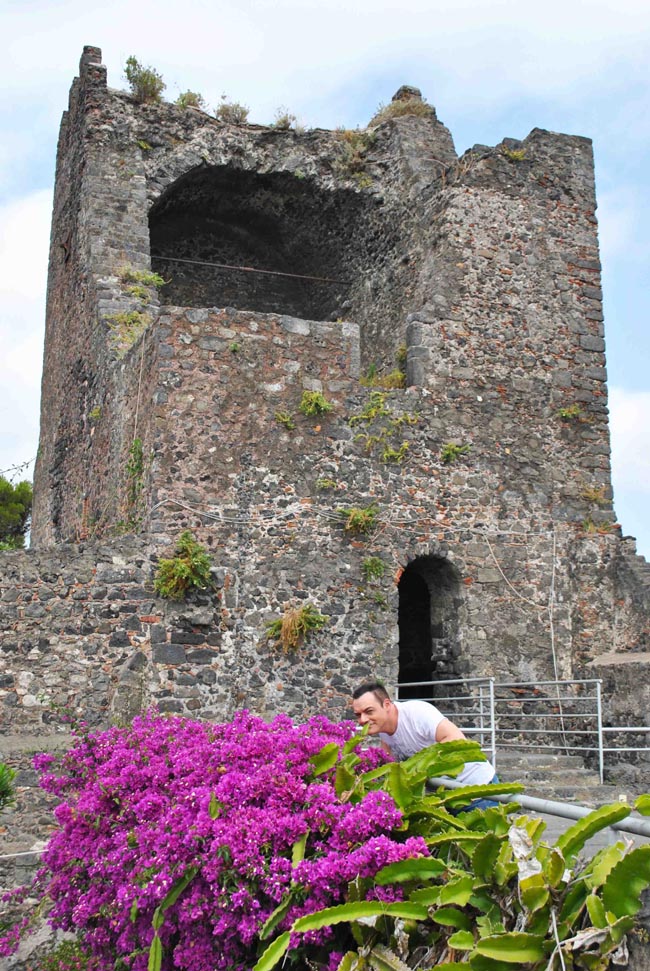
(447,309)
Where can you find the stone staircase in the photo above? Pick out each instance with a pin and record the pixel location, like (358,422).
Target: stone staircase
(563,778)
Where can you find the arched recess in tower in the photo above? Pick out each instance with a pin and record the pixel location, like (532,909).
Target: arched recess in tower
(429,602)
(271,222)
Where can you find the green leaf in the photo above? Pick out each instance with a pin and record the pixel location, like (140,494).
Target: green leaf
(627,880)
(424,868)
(352,912)
(461,941)
(452,917)
(554,867)
(428,896)
(642,805)
(434,759)
(458,891)
(383,959)
(155,955)
(272,954)
(512,947)
(478,962)
(298,850)
(215,807)
(353,742)
(158,919)
(596,910)
(174,893)
(377,773)
(276,916)
(468,793)
(133,913)
(325,759)
(534,892)
(397,785)
(350,961)
(459,838)
(575,837)
(602,864)
(344,780)
(485,856)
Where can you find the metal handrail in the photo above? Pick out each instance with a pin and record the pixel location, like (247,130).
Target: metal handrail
(484,703)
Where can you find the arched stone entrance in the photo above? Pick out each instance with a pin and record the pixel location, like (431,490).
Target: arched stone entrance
(429,635)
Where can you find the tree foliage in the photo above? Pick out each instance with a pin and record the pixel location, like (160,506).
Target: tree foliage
(15,513)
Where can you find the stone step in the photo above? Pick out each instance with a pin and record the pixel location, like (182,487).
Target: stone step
(514,758)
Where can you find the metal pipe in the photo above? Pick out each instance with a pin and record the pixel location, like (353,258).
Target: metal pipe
(601,756)
(493,725)
(566,810)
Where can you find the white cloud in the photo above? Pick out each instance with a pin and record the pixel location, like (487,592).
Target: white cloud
(24,228)
(630,434)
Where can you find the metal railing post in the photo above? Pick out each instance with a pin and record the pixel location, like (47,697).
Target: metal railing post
(481,715)
(599,711)
(493,726)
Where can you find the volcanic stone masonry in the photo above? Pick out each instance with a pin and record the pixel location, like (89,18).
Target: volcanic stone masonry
(485,473)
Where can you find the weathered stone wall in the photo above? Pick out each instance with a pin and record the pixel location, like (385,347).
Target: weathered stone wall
(485,268)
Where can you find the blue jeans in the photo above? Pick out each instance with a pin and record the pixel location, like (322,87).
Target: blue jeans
(483,803)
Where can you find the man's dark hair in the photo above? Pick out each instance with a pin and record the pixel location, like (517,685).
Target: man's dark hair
(376,687)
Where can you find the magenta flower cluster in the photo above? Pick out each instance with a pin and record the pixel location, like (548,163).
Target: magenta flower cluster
(167,797)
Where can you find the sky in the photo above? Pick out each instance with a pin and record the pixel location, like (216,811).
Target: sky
(492,69)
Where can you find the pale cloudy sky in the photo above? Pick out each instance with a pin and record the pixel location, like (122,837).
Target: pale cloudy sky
(492,68)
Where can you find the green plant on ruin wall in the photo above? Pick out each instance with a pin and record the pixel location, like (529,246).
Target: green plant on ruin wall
(359,520)
(144,145)
(451,452)
(398,109)
(146,84)
(231,112)
(392,381)
(513,154)
(351,163)
(284,418)
(574,412)
(142,278)
(285,120)
(295,626)
(234,347)
(134,482)
(95,413)
(125,329)
(597,495)
(314,403)
(187,570)
(381,426)
(373,568)
(191,99)
(590,527)
(325,484)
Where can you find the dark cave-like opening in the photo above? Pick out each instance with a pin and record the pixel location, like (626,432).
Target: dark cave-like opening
(278,223)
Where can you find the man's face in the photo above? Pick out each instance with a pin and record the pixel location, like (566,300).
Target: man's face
(376,714)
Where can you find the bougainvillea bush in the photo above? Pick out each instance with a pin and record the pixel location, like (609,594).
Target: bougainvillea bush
(189,845)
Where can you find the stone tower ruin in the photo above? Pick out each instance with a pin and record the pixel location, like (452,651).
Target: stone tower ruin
(449,311)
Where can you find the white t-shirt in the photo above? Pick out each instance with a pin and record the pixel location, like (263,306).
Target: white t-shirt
(417,723)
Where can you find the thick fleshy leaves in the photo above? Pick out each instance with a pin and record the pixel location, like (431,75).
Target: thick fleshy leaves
(602,864)
(575,837)
(358,911)
(272,954)
(424,869)
(642,805)
(627,880)
(452,917)
(462,941)
(485,856)
(513,948)
(326,759)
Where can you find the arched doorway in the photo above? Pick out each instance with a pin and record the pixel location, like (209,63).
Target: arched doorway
(429,638)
